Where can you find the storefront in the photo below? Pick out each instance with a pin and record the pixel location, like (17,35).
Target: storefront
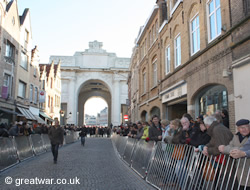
(210,99)
(6,115)
(174,100)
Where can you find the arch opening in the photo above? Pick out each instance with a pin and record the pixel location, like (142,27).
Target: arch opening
(89,91)
(96,111)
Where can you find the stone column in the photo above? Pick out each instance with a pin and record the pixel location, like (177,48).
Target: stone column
(116,106)
(72,102)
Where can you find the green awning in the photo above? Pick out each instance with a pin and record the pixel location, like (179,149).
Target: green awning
(46,116)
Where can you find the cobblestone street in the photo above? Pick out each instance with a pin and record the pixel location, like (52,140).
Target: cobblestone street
(94,166)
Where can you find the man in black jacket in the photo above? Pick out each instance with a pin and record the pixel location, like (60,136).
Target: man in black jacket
(56,139)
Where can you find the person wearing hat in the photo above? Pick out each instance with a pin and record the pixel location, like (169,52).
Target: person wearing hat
(238,141)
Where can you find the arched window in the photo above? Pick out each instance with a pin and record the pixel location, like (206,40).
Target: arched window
(213,98)
(154,69)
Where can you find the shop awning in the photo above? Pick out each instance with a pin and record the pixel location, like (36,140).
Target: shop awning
(10,111)
(45,116)
(26,112)
(39,119)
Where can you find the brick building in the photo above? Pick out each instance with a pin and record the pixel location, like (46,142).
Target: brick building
(184,55)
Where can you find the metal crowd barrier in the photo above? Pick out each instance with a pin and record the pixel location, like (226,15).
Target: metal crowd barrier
(37,144)
(69,138)
(128,152)
(8,154)
(168,166)
(23,147)
(122,145)
(142,156)
(16,149)
(46,142)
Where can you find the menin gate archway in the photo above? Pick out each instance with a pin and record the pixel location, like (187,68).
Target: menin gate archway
(93,88)
(93,72)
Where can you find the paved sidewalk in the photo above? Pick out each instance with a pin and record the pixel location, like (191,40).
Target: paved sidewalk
(95,166)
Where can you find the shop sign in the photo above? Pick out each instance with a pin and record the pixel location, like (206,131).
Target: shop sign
(175,93)
(42,96)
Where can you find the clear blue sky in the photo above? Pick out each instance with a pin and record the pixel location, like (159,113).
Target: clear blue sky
(62,27)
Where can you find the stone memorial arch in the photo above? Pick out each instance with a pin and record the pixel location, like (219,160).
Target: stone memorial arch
(93,73)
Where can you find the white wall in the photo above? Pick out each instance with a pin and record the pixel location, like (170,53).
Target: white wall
(241,76)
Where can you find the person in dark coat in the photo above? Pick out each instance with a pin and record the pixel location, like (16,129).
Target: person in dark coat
(225,118)
(3,131)
(220,135)
(155,131)
(83,134)
(56,139)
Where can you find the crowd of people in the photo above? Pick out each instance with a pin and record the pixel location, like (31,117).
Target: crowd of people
(208,134)
(23,128)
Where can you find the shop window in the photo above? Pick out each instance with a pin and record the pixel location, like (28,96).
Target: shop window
(212,99)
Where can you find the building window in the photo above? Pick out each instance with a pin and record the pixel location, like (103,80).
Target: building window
(150,38)
(36,94)
(8,83)
(26,37)
(144,82)
(153,31)
(52,105)
(213,98)
(21,89)
(195,35)
(10,51)
(51,82)
(156,28)
(13,21)
(177,45)
(43,84)
(167,59)
(214,18)
(155,73)
(24,61)
(34,72)
(31,93)
(48,101)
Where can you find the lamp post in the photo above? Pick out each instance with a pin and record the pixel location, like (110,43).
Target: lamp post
(62,117)
(68,117)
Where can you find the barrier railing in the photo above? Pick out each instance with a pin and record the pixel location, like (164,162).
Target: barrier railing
(168,166)
(37,144)
(128,152)
(46,142)
(23,147)
(141,157)
(8,154)
(16,149)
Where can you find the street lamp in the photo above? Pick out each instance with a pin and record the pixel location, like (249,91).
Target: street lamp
(68,117)
(62,117)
